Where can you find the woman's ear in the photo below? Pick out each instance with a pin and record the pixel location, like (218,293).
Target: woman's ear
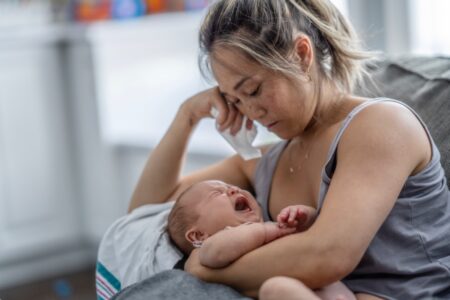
(195,235)
(304,52)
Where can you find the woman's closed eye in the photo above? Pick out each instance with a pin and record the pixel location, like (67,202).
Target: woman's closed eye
(236,102)
(255,92)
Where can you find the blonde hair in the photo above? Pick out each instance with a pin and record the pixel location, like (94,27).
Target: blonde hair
(264,30)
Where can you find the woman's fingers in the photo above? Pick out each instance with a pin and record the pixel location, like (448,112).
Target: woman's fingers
(219,102)
(249,124)
(237,123)
(228,115)
(231,115)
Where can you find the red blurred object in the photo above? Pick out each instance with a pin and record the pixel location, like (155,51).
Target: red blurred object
(92,10)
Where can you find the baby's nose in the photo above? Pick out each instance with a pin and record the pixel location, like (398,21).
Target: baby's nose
(232,190)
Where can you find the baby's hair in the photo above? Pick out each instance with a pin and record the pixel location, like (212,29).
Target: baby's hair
(264,31)
(180,218)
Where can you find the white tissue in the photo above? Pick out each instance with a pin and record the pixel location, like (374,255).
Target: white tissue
(242,141)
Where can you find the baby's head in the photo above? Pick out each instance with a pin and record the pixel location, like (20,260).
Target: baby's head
(208,207)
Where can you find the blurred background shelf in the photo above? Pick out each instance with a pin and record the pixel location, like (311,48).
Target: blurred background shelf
(67,147)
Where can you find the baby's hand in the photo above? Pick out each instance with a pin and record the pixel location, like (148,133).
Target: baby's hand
(298,216)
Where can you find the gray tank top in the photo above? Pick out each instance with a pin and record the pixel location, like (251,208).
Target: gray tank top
(409,257)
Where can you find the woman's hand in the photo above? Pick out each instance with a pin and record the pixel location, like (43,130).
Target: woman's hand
(194,266)
(199,106)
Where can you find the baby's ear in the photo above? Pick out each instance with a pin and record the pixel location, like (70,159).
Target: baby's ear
(195,235)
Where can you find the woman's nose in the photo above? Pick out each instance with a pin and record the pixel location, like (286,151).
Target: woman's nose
(254,112)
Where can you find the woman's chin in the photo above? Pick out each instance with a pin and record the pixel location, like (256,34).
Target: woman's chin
(281,131)
(284,135)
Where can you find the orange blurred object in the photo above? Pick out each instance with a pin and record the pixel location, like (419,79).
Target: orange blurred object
(93,10)
(155,6)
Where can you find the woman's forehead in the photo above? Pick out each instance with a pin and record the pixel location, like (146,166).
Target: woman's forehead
(232,62)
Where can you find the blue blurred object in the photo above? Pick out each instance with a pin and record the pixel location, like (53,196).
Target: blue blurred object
(62,289)
(125,9)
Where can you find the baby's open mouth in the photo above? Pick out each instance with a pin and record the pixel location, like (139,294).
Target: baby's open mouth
(241,204)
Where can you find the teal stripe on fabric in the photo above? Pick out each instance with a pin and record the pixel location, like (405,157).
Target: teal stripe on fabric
(108,276)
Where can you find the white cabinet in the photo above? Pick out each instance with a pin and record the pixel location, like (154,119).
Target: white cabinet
(38,212)
(144,69)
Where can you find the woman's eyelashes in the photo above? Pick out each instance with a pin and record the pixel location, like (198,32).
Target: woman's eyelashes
(237,102)
(234,101)
(255,92)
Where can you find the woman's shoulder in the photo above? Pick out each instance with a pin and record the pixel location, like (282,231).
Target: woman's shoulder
(383,126)
(378,113)
(383,113)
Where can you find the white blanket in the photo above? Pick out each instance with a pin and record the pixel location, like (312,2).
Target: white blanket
(135,247)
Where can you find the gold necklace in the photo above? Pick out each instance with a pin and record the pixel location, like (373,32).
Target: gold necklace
(292,168)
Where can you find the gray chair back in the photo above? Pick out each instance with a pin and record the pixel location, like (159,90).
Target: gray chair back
(424,84)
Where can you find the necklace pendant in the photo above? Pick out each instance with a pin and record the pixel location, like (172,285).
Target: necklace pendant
(291,170)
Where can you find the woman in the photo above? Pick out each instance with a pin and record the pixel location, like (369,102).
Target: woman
(369,166)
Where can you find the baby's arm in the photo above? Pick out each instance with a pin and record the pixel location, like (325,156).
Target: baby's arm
(227,245)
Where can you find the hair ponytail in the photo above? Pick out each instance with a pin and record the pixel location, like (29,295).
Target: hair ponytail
(337,45)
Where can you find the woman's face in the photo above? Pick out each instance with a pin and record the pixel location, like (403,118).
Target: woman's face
(283,106)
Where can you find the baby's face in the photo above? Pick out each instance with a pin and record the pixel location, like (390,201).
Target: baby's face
(219,205)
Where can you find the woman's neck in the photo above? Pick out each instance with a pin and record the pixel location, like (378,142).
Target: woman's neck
(329,108)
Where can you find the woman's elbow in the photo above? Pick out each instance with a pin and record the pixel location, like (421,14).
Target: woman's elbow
(330,267)
(337,263)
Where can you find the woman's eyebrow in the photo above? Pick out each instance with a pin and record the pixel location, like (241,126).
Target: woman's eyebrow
(237,85)
(241,82)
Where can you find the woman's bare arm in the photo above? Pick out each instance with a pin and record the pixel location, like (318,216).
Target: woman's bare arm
(161,179)
(227,245)
(378,151)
